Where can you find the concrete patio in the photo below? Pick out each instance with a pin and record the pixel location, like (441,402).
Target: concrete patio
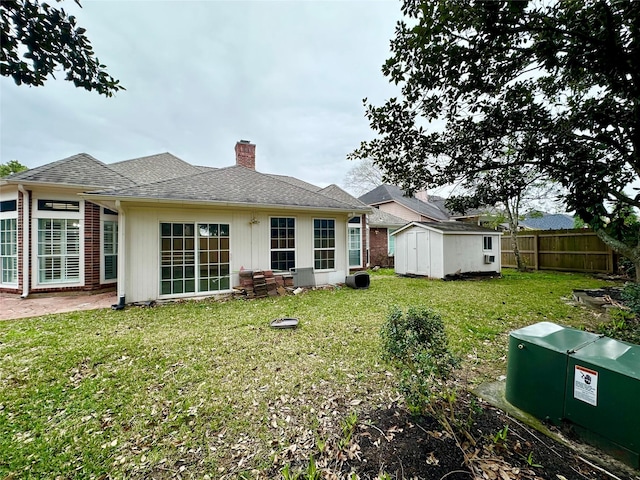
(12,306)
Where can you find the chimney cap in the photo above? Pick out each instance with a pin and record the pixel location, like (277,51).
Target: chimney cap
(244,141)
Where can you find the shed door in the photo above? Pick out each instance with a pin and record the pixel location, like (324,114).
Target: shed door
(418,253)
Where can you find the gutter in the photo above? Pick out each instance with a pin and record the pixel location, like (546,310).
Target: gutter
(26,230)
(122,264)
(213,203)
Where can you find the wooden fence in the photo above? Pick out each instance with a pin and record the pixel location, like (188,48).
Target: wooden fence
(577,250)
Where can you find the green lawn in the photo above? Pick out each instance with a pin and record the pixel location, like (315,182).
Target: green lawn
(207,388)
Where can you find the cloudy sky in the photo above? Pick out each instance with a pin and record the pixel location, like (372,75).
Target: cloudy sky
(199,75)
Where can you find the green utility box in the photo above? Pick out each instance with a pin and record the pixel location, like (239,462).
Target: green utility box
(537,368)
(567,375)
(603,397)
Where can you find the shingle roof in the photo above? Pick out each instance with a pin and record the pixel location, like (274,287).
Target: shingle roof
(296,181)
(235,184)
(452,227)
(379,218)
(391,193)
(339,194)
(548,221)
(154,168)
(80,169)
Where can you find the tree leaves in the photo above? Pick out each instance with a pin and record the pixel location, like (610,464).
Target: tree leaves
(52,41)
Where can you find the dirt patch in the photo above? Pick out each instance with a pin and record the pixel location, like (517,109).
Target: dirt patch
(395,443)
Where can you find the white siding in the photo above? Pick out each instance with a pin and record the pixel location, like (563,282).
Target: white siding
(249,243)
(426,252)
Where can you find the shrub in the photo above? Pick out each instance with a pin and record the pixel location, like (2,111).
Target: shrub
(416,343)
(631,297)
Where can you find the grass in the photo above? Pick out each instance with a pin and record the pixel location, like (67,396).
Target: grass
(207,388)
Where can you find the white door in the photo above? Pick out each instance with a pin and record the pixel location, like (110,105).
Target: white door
(412,257)
(422,254)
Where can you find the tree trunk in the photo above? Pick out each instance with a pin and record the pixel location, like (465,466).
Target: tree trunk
(632,253)
(512,216)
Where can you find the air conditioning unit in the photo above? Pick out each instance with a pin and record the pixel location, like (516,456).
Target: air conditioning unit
(489,258)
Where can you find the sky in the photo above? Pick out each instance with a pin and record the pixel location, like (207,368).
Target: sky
(289,76)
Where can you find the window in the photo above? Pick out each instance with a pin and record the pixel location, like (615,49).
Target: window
(8,251)
(391,242)
(58,250)
(182,247)
(59,205)
(8,206)
(110,249)
(355,242)
(487,243)
(324,243)
(178,258)
(213,254)
(283,243)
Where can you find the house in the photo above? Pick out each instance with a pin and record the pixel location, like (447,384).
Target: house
(391,199)
(381,243)
(546,221)
(438,249)
(159,227)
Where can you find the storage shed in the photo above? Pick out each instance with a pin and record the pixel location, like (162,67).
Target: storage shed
(438,249)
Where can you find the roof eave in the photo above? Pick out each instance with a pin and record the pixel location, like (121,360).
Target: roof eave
(83,186)
(217,203)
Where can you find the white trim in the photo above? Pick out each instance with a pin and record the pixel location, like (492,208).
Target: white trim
(313,245)
(107,218)
(55,215)
(295,240)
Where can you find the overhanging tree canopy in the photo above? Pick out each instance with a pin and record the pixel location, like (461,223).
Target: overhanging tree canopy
(36,39)
(559,82)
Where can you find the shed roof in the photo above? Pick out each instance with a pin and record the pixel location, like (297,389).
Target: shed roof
(450,228)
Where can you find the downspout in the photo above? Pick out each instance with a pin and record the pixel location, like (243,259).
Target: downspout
(121,258)
(26,230)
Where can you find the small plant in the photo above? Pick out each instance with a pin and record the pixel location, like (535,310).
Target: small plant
(631,297)
(500,437)
(348,426)
(288,474)
(383,476)
(312,470)
(417,344)
(530,462)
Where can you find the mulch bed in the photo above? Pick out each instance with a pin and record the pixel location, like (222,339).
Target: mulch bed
(394,442)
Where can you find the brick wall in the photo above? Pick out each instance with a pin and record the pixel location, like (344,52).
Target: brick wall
(378,248)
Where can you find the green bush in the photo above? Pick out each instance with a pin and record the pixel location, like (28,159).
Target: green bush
(416,343)
(631,297)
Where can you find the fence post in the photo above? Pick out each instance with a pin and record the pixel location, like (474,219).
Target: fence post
(536,249)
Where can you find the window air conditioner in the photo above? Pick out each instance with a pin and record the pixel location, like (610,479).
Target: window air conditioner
(489,258)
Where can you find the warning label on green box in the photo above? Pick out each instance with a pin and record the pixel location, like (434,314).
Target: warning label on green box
(585,385)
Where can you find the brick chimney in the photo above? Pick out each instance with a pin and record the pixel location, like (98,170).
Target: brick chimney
(246,154)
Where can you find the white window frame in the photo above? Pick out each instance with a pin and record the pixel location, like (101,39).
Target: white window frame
(487,239)
(295,234)
(11,217)
(105,217)
(391,238)
(324,249)
(56,215)
(358,227)
(197,263)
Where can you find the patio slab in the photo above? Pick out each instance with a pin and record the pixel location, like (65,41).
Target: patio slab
(13,306)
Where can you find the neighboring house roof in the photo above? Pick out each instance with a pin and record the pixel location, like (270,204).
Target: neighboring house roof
(548,221)
(230,185)
(449,228)
(154,168)
(81,169)
(377,219)
(391,193)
